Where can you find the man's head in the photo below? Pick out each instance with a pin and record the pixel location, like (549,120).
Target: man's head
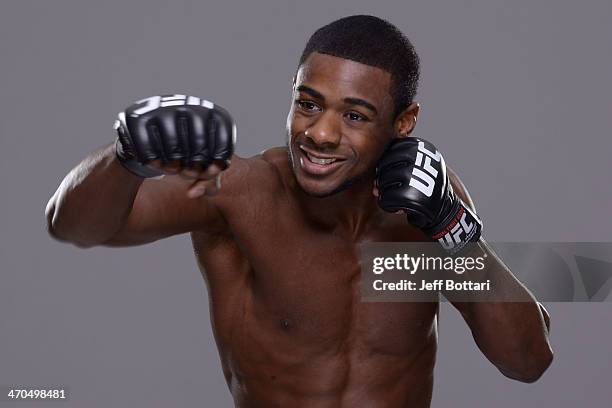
(371,41)
(353,92)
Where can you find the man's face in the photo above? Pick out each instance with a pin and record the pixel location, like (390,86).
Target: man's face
(339,123)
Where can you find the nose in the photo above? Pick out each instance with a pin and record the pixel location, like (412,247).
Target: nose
(324,131)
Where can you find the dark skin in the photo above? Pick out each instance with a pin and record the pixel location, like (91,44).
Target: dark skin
(278,246)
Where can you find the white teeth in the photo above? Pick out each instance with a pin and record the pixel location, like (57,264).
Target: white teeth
(316,160)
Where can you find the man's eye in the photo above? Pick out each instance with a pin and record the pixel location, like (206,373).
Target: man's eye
(356,117)
(306,105)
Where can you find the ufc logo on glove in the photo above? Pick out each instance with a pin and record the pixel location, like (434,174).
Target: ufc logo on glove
(412,177)
(462,231)
(423,174)
(155,102)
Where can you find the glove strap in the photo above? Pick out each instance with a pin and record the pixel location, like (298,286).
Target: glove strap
(132,165)
(461,226)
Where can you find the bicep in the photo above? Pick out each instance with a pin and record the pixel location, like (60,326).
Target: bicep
(162,209)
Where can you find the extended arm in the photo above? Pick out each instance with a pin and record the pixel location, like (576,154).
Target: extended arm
(110,197)
(99,202)
(93,201)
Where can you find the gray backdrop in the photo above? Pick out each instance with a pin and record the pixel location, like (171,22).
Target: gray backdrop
(516,93)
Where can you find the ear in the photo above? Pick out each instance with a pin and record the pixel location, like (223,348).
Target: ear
(406,120)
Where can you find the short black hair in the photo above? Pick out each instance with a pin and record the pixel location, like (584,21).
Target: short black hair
(372,41)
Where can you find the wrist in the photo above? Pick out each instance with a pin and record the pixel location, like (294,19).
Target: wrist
(458,227)
(132,165)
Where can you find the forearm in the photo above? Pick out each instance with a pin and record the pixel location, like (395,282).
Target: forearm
(93,201)
(511,327)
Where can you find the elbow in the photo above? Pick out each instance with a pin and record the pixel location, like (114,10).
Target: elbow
(531,368)
(54,228)
(542,365)
(55,233)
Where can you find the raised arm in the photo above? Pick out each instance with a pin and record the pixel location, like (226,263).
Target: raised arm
(101,202)
(513,335)
(512,330)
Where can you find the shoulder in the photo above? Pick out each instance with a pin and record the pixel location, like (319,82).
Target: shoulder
(277,159)
(266,170)
(275,156)
(272,163)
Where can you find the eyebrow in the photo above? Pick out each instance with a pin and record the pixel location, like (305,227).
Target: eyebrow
(361,102)
(350,100)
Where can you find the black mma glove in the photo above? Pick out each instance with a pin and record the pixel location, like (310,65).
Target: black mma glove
(411,176)
(173,127)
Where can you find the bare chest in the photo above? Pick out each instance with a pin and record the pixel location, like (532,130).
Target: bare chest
(281,279)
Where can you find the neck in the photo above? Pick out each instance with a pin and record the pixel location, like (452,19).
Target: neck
(349,211)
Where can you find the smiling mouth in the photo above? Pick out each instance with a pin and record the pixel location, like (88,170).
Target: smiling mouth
(318,158)
(316,163)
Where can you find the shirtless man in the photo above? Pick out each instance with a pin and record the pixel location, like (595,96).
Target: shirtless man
(276,235)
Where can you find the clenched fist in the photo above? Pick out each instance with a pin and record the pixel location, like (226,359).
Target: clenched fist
(173,134)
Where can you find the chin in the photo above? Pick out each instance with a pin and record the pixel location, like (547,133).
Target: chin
(324,192)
